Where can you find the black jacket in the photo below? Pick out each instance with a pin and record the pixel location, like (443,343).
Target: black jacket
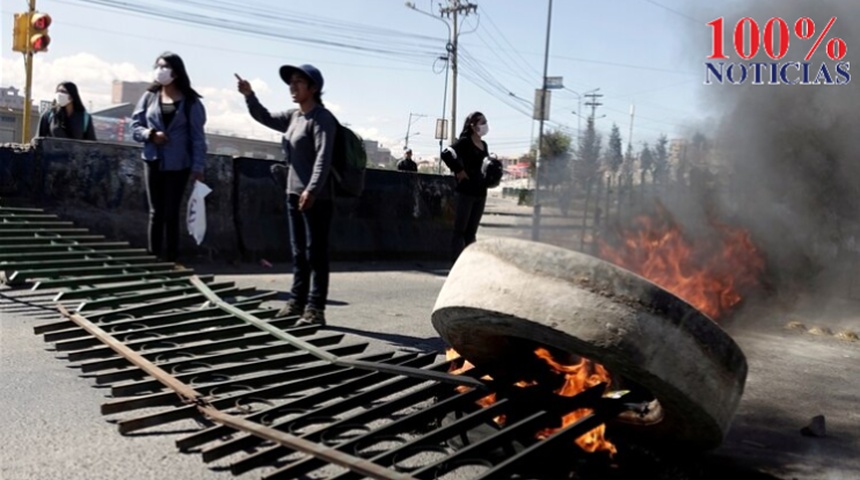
(465,155)
(407,165)
(55,123)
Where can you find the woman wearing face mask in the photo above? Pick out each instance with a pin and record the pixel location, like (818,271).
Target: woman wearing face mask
(465,158)
(68,118)
(169,121)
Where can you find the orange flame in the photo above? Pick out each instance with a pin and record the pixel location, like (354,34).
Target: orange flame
(709,274)
(578,378)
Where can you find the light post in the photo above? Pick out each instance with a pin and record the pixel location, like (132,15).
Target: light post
(578,112)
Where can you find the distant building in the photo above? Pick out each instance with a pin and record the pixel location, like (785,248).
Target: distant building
(127,92)
(378,156)
(12,115)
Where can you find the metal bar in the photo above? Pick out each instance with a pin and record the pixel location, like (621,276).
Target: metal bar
(527,426)
(210,338)
(114,278)
(188,393)
(50,239)
(169,398)
(421,417)
(70,330)
(9,259)
(109,246)
(20,210)
(35,268)
(338,375)
(171,303)
(6,224)
(21,276)
(214,433)
(416,372)
(165,292)
(271,363)
(391,386)
(95,292)
(33,231)
(268,352)
(162,332)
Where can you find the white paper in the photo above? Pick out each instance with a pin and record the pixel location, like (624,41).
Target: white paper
(196,217)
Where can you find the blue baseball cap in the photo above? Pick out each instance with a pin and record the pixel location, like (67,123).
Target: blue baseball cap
(309,71)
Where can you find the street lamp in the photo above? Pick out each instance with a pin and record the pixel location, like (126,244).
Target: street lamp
(579,109)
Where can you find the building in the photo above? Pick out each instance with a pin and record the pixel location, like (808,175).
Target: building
(12,115)
(377,156)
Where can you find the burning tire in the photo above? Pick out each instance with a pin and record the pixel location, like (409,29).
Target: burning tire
(505,297)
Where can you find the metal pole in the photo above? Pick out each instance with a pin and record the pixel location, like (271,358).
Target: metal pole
(28,67)
(444,106)
(537,206)
(454,80)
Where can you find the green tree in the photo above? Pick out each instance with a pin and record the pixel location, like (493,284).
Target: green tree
(555,158)
(661,160)
(646,163)
(587,169)
(614,153)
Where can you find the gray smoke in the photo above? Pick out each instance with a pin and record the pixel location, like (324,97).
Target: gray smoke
(790,153)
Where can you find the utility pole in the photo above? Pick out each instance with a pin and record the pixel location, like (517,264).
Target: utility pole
(409,127)
(453,10)
(632,113)
(593,103)
(543,115)
(28,86)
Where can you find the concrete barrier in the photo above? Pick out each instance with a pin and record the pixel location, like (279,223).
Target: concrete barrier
(100,186)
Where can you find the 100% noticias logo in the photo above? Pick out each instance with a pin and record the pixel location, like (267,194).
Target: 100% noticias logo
(749,38)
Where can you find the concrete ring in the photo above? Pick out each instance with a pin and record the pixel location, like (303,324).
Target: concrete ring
(503,297)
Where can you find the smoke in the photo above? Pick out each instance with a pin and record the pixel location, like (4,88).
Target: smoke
(789,154)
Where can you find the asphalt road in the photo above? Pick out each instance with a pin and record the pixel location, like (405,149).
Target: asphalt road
(51,428)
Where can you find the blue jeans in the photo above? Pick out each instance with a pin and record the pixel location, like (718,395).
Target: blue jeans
(309,236)
(467,217)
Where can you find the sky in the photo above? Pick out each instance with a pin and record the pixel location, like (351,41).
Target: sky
(380,60)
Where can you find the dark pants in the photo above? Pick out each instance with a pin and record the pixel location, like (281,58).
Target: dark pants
(164,192)
(469,210)
(309,234)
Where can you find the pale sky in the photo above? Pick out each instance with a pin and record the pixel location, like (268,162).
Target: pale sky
(380,60)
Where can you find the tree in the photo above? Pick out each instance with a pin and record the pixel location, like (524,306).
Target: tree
(646,163)
(588,168)
(614,154)
(555,158)
(661,160)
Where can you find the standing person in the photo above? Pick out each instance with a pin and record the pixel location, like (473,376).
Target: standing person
(465,158)
(67,118)
(169,119)
(407,164)
(308,142)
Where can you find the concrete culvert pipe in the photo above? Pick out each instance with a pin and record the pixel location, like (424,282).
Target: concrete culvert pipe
(504,296)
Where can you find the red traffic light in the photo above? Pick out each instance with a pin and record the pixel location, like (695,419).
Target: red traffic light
(39,39)
(40,21)
(39,43)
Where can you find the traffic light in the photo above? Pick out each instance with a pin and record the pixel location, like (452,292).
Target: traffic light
(19,32)
(39,39)
(30,33)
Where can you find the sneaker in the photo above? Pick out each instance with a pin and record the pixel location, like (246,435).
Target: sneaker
(291,309)
(312,316)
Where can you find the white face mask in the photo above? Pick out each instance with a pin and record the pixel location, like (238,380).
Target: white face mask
(63,99)
(483,129)
(163,75)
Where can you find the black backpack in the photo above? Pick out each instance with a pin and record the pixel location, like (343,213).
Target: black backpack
(349,161)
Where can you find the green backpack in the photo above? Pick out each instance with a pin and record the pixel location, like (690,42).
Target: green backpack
(349,162)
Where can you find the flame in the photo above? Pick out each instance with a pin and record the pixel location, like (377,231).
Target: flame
(578,377)
(709,274)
